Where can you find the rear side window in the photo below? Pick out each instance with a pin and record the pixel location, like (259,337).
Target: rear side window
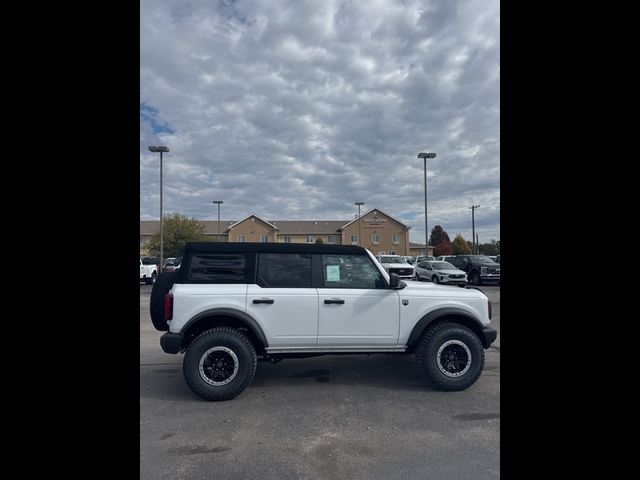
(284,270)
(221,268)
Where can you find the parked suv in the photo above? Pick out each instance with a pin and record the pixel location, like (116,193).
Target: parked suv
(480,268)
(148,270)
(233,304)
(396,264)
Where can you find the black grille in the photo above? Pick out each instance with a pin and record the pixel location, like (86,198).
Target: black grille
(493,270)
(456,276)
(401,271)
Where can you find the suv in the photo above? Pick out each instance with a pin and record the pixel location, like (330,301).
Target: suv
(233,304)
(148,270)
(479,268)
(396,264)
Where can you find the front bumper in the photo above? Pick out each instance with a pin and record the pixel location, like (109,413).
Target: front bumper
(490,277)
(488,336)
(454,281)
(171,342)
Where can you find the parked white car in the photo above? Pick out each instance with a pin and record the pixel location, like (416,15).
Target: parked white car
(440,272)
(148,270)
(396,264)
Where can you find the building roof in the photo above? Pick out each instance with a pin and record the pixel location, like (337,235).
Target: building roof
(309,227)
(378,210)
(256,216)
(285,227)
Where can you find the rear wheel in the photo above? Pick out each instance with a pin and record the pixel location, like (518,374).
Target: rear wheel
(219,364)
(451,356)
(152,280)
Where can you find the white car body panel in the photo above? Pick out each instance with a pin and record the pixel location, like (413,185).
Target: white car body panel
(367,317)
(292,319)
(191,299)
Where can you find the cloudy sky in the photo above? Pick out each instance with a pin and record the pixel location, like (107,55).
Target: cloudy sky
(296,109)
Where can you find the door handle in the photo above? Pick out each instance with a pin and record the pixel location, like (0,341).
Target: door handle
(264,300)
(335,300)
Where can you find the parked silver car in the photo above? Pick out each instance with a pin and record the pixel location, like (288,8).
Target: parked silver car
(440,272)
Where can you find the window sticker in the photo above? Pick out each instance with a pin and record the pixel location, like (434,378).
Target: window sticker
(333,273)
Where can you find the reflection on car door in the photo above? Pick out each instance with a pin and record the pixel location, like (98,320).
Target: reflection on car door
(356,307)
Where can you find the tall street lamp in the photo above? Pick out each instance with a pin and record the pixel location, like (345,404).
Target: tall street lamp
(426,227)
(161,149)
(218,202)
(359,204)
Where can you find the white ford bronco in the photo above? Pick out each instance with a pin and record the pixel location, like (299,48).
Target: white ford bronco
(233,304)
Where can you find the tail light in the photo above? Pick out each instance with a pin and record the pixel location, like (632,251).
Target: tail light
(488,301)
(168,306)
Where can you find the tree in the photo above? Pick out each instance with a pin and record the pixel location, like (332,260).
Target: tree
(492,248)
(178,230)
(443,248)
(461,246)
(438,235)
(319,241)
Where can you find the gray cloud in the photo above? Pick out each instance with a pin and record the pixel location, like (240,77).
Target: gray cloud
(297,109)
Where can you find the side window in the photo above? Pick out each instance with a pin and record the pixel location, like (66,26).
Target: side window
(221,268)
(426,266)
(350,271)
(284,270)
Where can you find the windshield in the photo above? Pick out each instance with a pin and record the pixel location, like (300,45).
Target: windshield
(392,259)
(482,259)
(149,261)
(442,266)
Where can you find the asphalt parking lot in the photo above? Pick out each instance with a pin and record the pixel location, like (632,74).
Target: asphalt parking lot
(331,417)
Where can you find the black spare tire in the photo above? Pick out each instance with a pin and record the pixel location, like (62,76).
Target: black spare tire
(163,284)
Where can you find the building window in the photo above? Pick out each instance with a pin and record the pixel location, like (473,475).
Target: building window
(331,239)
(396,239)
(287,239)
(392,252)
(264,238)
(311,239)
(241,238)
(375,238)
(354,239)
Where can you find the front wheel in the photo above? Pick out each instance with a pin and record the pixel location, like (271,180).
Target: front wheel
(219,364)
(435,279)
(451,356)
(475,278)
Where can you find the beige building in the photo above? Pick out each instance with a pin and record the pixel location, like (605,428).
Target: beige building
(375,230)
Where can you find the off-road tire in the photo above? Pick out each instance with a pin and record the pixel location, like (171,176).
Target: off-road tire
(232,339)
(426,355)
(163,284)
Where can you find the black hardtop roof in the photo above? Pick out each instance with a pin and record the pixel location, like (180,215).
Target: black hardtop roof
(206,247)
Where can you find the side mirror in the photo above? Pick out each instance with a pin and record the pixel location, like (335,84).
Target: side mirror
(395,282)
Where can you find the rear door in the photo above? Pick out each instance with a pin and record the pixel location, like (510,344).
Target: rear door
(283,299)
(356,306)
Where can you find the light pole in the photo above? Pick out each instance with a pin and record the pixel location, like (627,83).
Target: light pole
(473,226)
(359,232)
(218,202)
(160,149)
(426,226)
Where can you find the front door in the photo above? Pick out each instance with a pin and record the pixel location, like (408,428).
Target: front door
(356,306)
